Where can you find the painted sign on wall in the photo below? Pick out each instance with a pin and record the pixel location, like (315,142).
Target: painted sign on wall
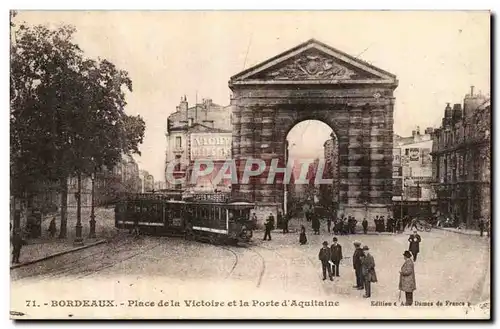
(211,146)
(414,154)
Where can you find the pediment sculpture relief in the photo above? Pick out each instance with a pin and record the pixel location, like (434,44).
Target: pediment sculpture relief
(311,67)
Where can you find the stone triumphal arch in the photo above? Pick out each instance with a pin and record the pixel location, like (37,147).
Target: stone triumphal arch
(316,81)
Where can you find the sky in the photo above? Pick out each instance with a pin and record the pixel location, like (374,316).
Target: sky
(436,57)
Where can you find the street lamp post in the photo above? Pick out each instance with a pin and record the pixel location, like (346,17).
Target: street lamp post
(92,206)
(78,227)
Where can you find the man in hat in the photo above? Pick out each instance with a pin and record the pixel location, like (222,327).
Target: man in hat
(356,263)
(269,225)
(325,256)
(414,247)
(368,271)
(336,252)
(407,278)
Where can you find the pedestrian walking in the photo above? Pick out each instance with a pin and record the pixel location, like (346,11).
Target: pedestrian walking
(302,237)
(325,256)
(352,225)
(17,244)
(407,278)
(398,225)
(337,227)
(279,219)
(414,247)
(253,220)
(356,263)
(52,227)
(336,256)
(413,224)
(268,227)
(345,226)
(368,271)
(315,223)
(364,223)
(286,218)
(481,226)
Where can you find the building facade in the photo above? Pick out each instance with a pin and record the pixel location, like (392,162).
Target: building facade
(412,174)
(329,194)
(180,125)
(462,154)
(108,184)
(212,145)
(314,81)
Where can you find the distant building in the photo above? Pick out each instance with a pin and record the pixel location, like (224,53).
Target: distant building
(208,116)
(462,153)
(147,181)
(412,174)
(329,194)
(108,185)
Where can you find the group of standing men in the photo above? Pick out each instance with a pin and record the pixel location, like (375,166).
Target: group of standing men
(364,265)
(343,226)
(391,225)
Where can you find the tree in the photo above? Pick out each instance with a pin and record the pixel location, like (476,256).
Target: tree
(67,112)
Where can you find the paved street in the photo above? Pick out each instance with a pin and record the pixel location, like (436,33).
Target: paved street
(451,267)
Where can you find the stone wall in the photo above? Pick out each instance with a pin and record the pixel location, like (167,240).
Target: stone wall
(262,118)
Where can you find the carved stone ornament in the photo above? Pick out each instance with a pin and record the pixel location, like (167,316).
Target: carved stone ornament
(309,67)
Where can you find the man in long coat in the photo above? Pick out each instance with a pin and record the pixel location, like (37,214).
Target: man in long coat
(368,271)
(414,247)
(407,278)
(365,225)
(356,263)
(336,256)
(315,223)
(325,256)
(17,244)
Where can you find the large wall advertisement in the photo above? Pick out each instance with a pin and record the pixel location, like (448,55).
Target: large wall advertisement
(210,146)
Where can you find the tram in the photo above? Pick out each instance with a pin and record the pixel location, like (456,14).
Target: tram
(219,221)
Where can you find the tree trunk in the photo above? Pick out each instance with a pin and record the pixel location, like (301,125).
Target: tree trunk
(64,208)
(79,200)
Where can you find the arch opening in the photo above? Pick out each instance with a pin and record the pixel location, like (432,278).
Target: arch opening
(311,149)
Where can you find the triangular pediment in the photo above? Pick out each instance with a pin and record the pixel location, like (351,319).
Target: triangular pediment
(313,62)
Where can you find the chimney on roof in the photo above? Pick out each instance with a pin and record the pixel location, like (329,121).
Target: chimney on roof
(457,112)
(472,91)
(183,105)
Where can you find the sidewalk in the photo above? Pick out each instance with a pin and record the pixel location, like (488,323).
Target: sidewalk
(461,231)
(47,247)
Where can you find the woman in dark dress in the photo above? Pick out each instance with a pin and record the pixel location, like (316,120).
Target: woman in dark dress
(302,237)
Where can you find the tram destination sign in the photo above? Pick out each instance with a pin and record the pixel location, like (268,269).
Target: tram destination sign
(211,146)
(210,197)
